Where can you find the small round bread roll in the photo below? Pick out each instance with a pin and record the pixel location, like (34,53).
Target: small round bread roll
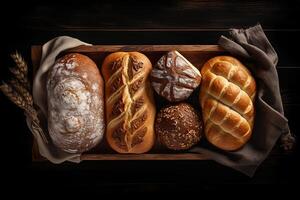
(75,103)
(178,126)
(174,77)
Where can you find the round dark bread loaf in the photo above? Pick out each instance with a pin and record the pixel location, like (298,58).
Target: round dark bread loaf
(75,104)
(178,126)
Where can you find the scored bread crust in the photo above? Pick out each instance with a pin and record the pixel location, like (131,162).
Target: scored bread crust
(130,108)
(227,97)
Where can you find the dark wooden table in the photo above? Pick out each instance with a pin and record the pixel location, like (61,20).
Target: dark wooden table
(150,22)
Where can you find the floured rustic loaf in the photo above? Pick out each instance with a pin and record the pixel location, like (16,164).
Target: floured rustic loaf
(75,103)
(174,77)
(227,97)
(130,108)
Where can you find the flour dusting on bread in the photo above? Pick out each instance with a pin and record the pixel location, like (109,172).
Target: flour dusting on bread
(75,105)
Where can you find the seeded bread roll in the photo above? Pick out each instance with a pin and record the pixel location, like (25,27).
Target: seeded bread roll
(178,126)
(75,104)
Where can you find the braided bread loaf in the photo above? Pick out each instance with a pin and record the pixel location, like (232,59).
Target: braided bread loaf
(227,96)
(130,108)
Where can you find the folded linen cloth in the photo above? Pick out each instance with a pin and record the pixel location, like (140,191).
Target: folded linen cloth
(270,123)
(50,51)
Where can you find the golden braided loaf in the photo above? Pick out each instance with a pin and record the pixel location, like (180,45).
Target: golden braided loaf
(130,108)
(227,96)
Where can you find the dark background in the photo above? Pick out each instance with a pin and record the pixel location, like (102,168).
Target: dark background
(148,22)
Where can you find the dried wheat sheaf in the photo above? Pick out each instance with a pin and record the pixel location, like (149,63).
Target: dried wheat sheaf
(18,91)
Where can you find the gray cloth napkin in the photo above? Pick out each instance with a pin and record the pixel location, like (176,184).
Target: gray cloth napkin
(50,51)
(252,45)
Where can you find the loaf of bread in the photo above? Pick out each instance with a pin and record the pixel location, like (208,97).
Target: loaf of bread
(174,77)
(130,108)
(178,126)
(227,97)
(75,103)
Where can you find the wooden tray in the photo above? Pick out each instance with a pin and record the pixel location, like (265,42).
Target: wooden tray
(196,54)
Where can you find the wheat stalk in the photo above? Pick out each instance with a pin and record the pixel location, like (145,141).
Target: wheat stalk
(22,91)
(18,92)
(21,64)
(20,70)
(13,95)
(23,99)
(20,76)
